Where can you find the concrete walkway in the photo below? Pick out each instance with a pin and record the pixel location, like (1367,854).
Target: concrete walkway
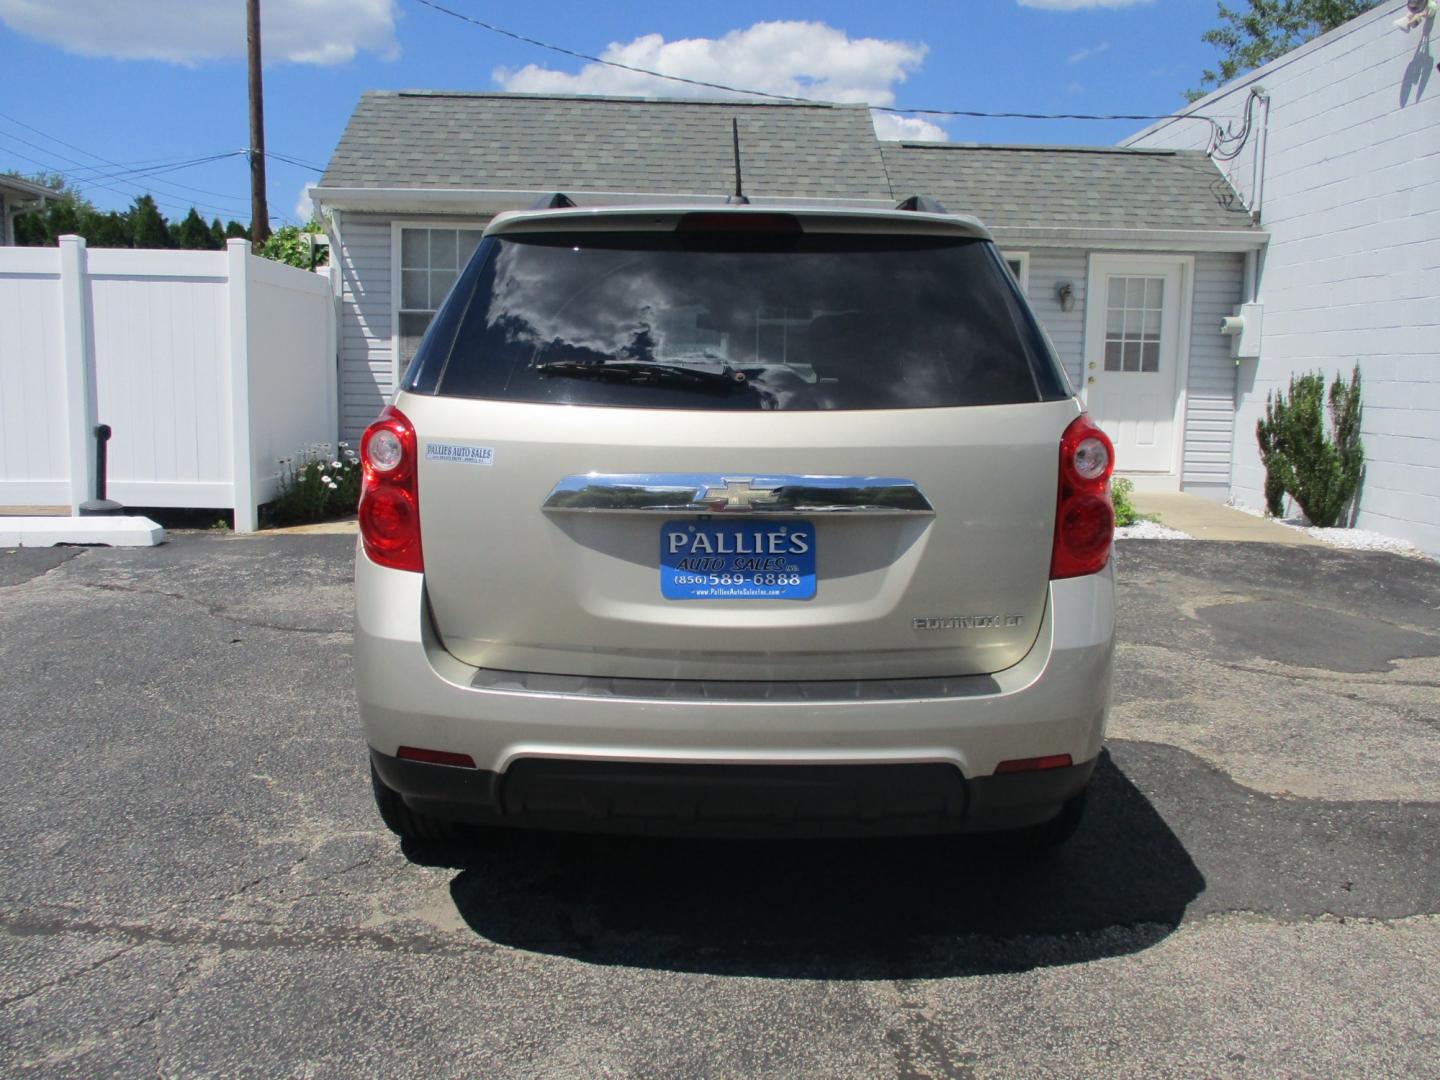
(1206,520)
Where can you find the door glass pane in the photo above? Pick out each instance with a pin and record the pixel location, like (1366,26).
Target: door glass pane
(1133,321)
(415,248)
(442,249)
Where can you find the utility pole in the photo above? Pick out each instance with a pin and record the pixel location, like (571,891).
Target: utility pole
(259,212)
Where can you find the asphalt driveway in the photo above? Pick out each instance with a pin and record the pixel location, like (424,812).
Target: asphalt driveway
(193,879)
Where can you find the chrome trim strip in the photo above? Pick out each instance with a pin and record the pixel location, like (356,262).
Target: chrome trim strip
(732,493)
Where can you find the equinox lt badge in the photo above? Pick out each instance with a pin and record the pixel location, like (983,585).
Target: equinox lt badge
(966,622)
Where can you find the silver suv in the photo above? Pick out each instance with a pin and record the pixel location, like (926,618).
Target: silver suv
(729,519)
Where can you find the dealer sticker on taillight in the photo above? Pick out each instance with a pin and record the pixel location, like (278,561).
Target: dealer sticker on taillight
(737,560)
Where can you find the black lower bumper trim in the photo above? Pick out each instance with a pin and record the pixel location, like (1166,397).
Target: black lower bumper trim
(764,800)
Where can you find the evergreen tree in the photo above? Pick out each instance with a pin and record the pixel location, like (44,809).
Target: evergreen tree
(193,234)
(106,230)
(1268,30)
(148,227)
(235,230)
(217,234)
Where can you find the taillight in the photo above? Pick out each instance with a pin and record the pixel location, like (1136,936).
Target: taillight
(389,495)
(1084,515)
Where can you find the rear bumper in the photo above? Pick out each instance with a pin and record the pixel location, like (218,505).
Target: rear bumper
(411,692)
(733,800)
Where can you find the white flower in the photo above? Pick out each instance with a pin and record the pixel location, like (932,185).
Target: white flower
(335,464)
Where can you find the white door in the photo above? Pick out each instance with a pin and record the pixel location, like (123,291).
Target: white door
(1132,356)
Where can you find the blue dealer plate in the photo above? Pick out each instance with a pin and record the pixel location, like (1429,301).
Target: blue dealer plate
(737,560)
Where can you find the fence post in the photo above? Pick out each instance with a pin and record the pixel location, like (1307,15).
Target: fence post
(76,349)
(237,253)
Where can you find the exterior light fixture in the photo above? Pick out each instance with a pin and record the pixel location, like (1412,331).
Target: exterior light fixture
(1065,293)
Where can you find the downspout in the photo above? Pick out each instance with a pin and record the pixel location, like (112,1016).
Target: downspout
(331,220)
(1257,177)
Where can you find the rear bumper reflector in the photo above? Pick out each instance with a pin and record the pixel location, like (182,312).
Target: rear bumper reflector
(1034,764)
(435,757)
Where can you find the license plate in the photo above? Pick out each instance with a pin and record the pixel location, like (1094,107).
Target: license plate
(737,560)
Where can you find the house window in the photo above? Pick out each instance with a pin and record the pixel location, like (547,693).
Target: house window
(1133,311)
(430,260)
(1019,264)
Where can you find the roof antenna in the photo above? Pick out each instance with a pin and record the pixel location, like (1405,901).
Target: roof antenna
(739,196)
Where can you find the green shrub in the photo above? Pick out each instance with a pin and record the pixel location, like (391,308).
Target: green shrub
(1321,470)
(1120,491)
(319,483)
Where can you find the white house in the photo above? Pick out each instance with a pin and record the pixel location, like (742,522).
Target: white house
(1130,257)
(18,197)
(1341,167)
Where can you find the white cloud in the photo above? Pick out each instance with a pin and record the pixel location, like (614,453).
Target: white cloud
(1079,5)
(792,58)
(192,31)
(304,208)
(1085,54)
(908,128)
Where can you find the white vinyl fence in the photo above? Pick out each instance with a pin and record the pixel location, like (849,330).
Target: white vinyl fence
(208,367)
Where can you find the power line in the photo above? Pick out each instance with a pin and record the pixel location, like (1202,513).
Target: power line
(173,186)
(971,113)
(288,160)
(175,203)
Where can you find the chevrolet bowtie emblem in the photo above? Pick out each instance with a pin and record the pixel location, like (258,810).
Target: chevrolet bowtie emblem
(738,495)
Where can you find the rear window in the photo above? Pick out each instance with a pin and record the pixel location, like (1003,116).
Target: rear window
(737,321)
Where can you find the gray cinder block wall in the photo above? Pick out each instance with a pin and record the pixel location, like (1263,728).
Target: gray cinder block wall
(1350,194)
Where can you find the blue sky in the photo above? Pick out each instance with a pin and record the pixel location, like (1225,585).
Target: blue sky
(88,86)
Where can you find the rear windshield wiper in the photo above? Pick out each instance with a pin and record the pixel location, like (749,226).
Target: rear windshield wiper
(637,371)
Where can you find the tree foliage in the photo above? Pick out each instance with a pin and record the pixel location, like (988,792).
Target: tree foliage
(1269,29)
(141,225)
(1320,470)
(288,244)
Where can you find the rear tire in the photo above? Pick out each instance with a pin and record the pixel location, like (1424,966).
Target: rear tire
(1051,834)
(406,823)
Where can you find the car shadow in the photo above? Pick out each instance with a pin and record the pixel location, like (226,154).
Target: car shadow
(861,909)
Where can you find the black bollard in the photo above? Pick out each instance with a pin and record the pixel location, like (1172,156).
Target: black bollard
(100,506)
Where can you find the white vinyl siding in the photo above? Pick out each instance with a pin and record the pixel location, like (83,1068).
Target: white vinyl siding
(371,298)
(1210,383)
(1047,270)
(367,364)
(1210,387)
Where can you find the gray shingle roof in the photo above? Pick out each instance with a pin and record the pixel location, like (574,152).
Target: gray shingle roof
(537,142)
(543,143)
(1069,187)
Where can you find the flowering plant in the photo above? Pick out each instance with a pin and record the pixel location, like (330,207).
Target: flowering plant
(321,481)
